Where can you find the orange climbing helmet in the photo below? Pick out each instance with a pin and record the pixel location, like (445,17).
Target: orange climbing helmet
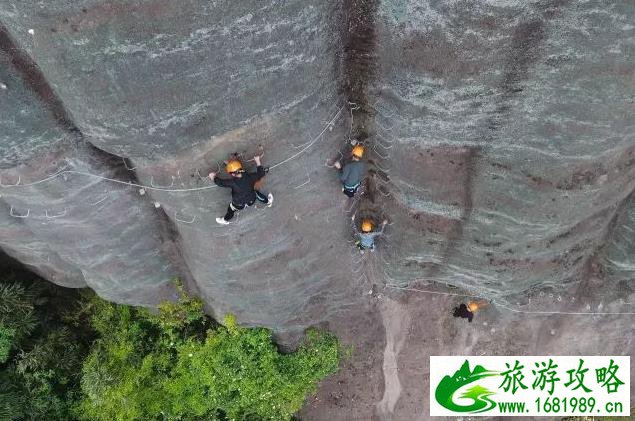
(358,151)
(367,225)
(233,165)
(473,306)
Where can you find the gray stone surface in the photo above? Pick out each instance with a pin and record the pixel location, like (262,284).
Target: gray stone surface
(25,130)
(500,139)
(26,127)
(517,113)
(151,79)
(71,229)
(175,88)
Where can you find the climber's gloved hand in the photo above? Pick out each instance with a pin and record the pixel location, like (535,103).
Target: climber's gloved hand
(212,175)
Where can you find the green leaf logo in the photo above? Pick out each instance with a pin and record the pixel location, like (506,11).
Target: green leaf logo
(479,395)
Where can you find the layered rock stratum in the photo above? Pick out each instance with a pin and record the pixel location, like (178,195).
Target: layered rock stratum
(501,150)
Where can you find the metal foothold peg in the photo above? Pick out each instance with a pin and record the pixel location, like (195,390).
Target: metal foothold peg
(142,191)
(3,86)
(31,31)
(157,204)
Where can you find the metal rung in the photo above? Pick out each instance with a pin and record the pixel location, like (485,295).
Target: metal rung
(28,212)
(303,184)
(176,217)
(380,136)
(46,214)
(382,127)
(126,165)
(161,187)
(100,200)
(382,169)
(380,155)
(381,145)
(10,185)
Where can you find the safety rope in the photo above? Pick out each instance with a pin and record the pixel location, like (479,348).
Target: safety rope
(166,189)
(312,142)
(537,312)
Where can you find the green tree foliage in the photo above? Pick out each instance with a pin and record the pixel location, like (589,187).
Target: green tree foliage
(7,338)
(238,372)
(179,365)
(67,355)
(40,358)
(17,312)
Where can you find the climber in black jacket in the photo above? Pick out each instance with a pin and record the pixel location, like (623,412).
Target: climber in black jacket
(463,312)
(243,188)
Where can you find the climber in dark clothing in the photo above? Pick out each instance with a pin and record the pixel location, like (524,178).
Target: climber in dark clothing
(352,173)
(242,185)
(463,312)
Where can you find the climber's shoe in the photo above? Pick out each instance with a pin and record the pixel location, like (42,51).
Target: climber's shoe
(222,221)
(269,200)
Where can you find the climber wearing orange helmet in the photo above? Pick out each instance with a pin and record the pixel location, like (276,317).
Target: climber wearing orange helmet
(242,185)
(367,236)
(352,173)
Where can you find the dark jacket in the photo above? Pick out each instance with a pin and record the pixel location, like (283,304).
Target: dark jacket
(243,192)
(352,173)
(463,312)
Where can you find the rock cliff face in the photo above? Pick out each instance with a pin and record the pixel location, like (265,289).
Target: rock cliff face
(500,139)
(500,148)
(512,138)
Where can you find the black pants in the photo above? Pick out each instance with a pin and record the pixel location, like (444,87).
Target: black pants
(463,312)
(349,192)
(233,207)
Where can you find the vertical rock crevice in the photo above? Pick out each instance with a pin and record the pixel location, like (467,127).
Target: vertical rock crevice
(172,248)
(359,56)
(35,80)
(360,68)
(359,71)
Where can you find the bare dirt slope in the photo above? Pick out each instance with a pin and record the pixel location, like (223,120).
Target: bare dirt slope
(387,377)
